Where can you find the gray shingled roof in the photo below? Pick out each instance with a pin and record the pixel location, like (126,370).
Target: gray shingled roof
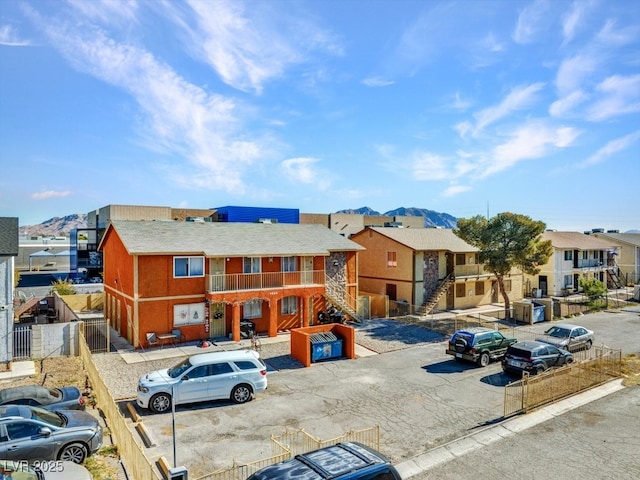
(628,238)
(423,239)
(578,241)
(219,239)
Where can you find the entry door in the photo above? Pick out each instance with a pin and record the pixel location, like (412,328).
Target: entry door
(217,322)
(392,291)
(307,271)
(542,285)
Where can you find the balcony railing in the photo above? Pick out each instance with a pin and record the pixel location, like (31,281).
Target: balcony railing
(589,263)
(475,270)
(259,281)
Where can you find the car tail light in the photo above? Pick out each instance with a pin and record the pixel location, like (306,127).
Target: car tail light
(472,351)
(263,372)
(80,400)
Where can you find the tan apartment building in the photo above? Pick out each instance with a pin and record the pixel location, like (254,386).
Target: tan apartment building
(427,267)
(628,259)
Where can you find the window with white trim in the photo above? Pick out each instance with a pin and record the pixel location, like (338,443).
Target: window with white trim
(251,265)
(188,267)
(252,309)
(188,314)
(289,264)
(568,254)
(289,305)
(568,281)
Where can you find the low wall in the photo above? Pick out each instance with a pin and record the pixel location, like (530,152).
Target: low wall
(301,342)
(54,340)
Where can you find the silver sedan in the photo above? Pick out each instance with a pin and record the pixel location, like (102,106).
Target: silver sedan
(568,337)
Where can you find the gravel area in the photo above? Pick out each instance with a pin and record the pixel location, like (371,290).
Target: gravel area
(380,336)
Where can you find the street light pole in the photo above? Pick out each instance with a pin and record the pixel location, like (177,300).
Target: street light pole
(173,423)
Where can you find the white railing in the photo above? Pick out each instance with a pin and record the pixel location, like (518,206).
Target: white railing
(232,282)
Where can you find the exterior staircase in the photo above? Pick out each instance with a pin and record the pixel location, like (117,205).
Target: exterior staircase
(337,295)
(612,273)
(432,301)
(27,305)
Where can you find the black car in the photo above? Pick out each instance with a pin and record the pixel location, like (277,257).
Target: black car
(534,357)
(67,398)
(479,345)
(344,461)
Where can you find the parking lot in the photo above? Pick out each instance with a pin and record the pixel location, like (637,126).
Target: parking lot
(418,395)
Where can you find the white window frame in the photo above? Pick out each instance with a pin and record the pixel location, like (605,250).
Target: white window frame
(289,264)
(251,264)
(188,314)
(568,281)
(252,309)
(191,265)
(289,305)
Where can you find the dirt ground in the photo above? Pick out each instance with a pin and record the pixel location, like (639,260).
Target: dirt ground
(69,371)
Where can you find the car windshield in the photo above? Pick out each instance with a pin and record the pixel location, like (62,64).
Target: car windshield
(179,369)
(558,332)
(52,418)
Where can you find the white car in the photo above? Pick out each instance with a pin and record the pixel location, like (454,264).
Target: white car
(235,375)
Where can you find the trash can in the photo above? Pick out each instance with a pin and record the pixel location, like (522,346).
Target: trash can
(325,345)
(538,312)
(247,328)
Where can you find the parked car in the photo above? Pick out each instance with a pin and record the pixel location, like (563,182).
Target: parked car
(568,337)
(479,345)
(51,470)
(33,433)
(68,398)
(344,461)
(235,375)
(534,357)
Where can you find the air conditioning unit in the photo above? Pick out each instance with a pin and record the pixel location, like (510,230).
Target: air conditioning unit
(178,473)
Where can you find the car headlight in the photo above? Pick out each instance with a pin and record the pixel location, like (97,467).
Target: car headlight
(142,389)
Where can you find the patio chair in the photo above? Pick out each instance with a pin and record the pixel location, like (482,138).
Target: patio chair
(152,339)
(178,333)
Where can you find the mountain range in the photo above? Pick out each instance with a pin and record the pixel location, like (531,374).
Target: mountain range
(62,226)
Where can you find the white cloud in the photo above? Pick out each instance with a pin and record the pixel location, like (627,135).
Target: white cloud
(178,118)
(612,147)
(454,190)
(429,166)
(47,194)
(460,103)
(571,21)
(377,82)
(609,35)
(573,71)
(530,22)
(519,98)
(248,45)
(532,140)
(620,95)
(563,106)
(107,11)
(303,170)
(9,37)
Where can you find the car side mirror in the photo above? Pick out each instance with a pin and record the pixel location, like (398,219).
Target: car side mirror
(45,432)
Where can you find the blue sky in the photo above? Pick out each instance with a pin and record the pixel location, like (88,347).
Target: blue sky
(464,107)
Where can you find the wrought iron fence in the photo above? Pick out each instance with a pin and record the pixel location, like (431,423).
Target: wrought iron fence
(593,367)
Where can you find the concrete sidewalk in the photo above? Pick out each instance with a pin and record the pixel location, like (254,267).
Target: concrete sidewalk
(481,438)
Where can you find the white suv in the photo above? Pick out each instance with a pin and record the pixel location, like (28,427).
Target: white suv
(234,375)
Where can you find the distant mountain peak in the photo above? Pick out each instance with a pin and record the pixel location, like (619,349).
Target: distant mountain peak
(431,218)
(56,226)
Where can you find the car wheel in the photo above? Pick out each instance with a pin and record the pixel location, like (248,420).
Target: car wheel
(241,393)
(588,345)
(569,360)
(74,452)
(460,345)
(160,402)
(483,361)
(539,369)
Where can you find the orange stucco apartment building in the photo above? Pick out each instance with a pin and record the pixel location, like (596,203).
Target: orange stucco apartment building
(203,279)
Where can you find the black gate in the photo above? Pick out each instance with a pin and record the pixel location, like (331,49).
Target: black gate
(96,333)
